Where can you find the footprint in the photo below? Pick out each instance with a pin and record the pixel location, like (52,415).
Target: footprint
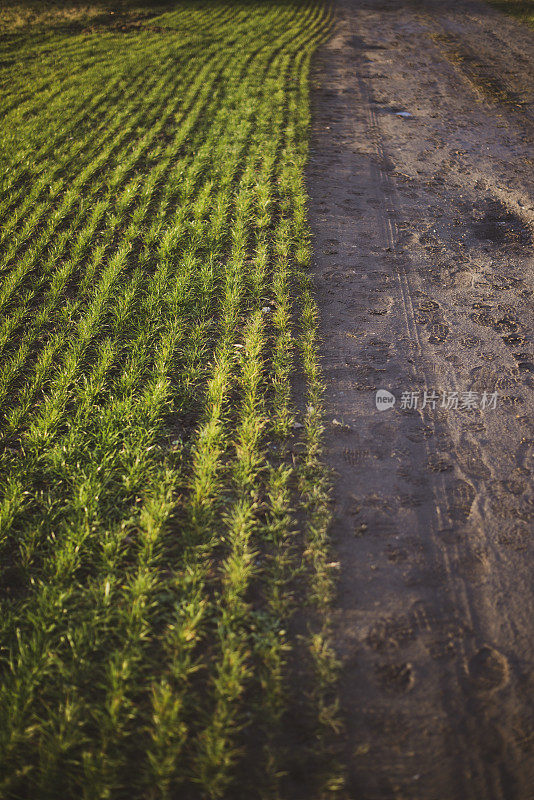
(506,309)
(505,325)
(439,463)
(488,669)
(470,341)
(428,305)
(514,340)
(507,381)
(484,319)
(384,307)
(523,357)
(501,286)
(396,554)
(390,633)
(461,499)
(354,457)
(473,464)
(422,319)
(439,332)
(395,677)
(410,500)
(441,649)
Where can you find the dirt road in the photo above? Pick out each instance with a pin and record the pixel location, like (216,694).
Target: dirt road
(423,229)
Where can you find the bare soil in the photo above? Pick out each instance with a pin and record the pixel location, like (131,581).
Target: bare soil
(423,230)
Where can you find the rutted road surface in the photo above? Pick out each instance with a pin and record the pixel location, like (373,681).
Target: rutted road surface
(423,229)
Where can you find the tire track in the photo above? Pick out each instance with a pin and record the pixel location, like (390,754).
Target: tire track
(450,613)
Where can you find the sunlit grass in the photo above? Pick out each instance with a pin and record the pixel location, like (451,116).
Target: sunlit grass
(522,9)
(159,525)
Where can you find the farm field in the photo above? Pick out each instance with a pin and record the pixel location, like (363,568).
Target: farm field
(229,230)
(163,503)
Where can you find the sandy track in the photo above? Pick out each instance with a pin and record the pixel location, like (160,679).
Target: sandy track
(423,228)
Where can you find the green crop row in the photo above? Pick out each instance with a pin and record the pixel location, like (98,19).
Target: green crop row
(160,520)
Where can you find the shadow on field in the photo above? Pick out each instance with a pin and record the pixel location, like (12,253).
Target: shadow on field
(75,17)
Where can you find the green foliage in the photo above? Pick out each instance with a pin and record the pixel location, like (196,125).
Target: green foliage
(522,9)
(155,304)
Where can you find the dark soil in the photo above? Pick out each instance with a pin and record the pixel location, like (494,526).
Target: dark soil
(422,231)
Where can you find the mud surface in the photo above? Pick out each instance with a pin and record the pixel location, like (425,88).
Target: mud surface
(423,231)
